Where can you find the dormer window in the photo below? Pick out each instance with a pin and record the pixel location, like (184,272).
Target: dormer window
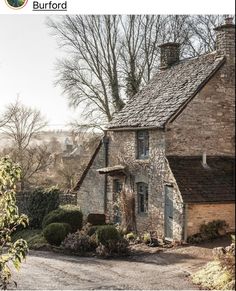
(142,144)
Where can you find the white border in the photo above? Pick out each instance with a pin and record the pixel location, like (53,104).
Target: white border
(133,7)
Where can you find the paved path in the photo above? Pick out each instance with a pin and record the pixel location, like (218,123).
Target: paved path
(46,270)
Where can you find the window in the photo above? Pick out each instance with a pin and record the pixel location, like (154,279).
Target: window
(117,187)
(142,144)
(142,189)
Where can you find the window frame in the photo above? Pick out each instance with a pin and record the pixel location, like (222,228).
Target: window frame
(117,188)
(143,198)
(142,144)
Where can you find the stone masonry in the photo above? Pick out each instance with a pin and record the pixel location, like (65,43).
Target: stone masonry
(207,123)
(122,150)
(188,109)
(90,196)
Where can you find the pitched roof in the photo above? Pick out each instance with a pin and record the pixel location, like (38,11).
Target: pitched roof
(198,184)
(83,176)
(167,92)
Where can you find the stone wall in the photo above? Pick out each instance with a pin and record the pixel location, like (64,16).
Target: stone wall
(68,198)
(198,214)
(122,150)
(178,205)
(22,200)
(90,196)
(207,123)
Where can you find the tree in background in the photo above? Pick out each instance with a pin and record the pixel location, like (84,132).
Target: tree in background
(9,221)
(111,57)
(20,125)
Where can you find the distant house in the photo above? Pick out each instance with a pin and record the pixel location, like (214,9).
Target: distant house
(172,145)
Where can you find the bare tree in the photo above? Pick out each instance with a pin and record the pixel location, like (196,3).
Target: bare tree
(90,74)
(23,124)
(111,57)
(203,36)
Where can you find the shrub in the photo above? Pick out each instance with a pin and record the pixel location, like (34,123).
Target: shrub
(96,219)
(55,233)
(11,253)
(208,231)
(146,238)
(131,236)
(212,276)
(68,214)
(79,242)
(92,230)
(113,247)
(40,203)
(212,229)
(107,233)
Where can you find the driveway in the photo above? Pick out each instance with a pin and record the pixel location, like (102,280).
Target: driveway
(147,269)
(47,270)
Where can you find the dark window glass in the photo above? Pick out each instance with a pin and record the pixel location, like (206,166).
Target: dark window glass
(117,187)
(142,144)
(142,197)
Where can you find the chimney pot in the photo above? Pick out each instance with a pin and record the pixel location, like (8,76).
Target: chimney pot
(169,54)
(228,20)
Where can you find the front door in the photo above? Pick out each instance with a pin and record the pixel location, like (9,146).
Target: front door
(168,212)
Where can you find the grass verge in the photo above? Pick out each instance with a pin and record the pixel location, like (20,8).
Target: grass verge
(34,238)
(214,277)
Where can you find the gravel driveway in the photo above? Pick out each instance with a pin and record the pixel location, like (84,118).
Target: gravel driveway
(47,270)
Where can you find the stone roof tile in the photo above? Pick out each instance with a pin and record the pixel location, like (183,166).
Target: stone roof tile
(166,93)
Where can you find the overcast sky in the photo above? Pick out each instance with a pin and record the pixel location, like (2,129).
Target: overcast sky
(27,67)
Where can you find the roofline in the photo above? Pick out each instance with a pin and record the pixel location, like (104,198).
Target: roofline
(134,128)
(211,202)
(199,88)
(179,110)
(84,174)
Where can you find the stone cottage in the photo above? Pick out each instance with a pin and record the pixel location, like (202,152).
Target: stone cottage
(172,145)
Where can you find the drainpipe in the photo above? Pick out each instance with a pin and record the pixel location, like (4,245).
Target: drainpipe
(185,222)
(105,144)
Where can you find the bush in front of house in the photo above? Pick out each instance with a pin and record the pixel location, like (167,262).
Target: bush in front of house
(70,214)
(113,247)
(209,231)
(107,233)
(110,241)
(79,242)
(212,229)
(220,273)
(40,203)
(55,233)
(96,219)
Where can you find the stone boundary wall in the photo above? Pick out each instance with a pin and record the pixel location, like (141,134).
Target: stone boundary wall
(64,198)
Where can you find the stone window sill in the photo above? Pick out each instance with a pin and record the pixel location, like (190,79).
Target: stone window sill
(142,161)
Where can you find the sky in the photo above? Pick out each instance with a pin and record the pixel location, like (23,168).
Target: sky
(28,54)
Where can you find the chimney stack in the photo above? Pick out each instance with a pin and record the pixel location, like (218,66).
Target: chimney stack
(225,38)
(169,54)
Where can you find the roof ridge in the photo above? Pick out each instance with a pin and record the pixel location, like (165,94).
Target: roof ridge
(167,93)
